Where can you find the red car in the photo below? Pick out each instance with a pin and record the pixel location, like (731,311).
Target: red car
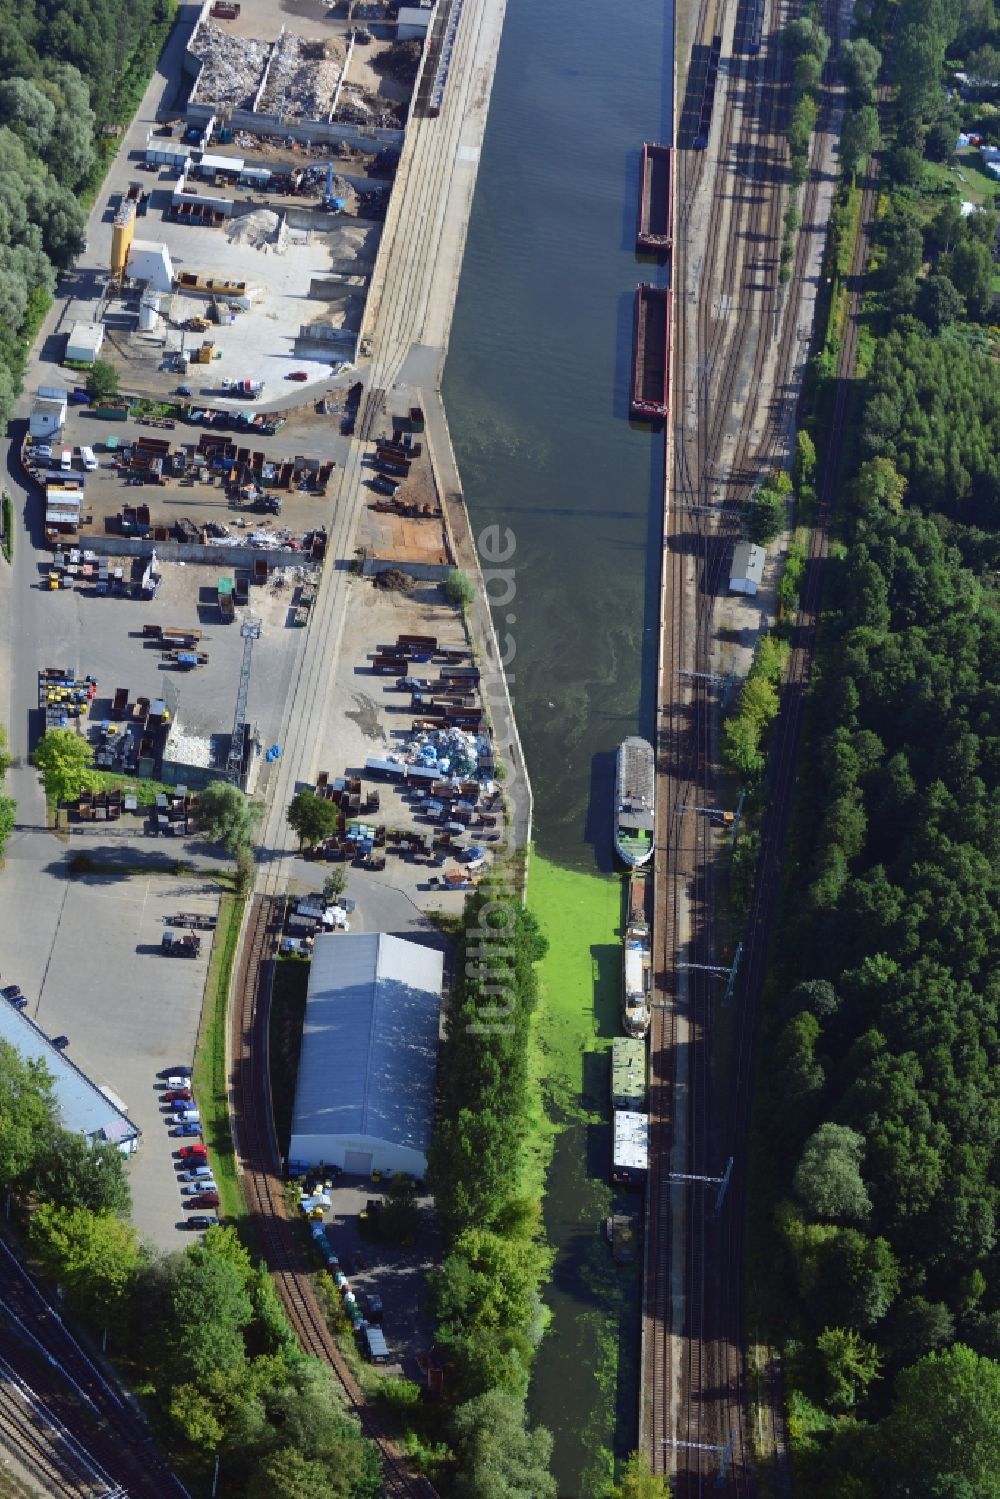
(193,1153)
(204,1200)
(177,1095)
(297,375)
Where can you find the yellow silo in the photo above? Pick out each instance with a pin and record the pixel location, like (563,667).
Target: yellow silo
(121,237)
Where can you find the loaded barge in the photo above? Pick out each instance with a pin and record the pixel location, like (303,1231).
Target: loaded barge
(655,199)
(651,360)
(637,962)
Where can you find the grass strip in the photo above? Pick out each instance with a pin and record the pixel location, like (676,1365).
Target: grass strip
(210,1081)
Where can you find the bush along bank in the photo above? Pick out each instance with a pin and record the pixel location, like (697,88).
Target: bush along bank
(486,1294)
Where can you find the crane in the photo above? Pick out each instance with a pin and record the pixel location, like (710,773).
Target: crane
(250,630)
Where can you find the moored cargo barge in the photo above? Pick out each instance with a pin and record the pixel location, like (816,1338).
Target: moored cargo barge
(655,199)
(651,360)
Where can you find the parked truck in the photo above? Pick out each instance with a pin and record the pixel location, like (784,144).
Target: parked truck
(181,945)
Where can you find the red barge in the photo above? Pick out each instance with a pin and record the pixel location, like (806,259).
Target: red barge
(651,355)
(655,199)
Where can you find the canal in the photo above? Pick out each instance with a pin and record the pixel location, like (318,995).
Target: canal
(537,386)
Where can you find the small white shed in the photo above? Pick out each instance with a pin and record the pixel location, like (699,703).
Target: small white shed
(414,22)
(48,417)
(84,342)
(747,571)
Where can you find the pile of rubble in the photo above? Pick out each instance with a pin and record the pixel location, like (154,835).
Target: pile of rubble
(359,106)
(303,78)
(262,228)
(232,66)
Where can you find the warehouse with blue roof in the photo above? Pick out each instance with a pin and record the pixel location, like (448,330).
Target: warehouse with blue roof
(82,1107)
(364,1098)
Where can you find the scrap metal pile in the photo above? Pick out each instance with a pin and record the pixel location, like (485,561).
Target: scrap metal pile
(232,66)
(303,78)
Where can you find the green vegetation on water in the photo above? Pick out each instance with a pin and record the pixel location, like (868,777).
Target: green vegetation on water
(579,981)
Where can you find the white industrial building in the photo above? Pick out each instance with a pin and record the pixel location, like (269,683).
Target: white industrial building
(364,1099)
(84,341)
(82,1107)
(747,571)
(150,262)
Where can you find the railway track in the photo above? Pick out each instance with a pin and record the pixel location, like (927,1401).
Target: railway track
(729,331)
(44,1447)
(260,1167)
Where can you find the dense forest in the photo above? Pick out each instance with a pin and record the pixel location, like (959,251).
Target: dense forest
(66,70)
(878,1115)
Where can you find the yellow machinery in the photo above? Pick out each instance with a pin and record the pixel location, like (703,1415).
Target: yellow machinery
(204,354)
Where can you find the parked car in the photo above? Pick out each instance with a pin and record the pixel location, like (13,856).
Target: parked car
(179,1080)
(189,1116)
(372,1306)
(208,1199)
(11,992)
(60,1042)
(183,390)
(181,1105)
(177,1095)
(191,1127)
(202,1220)
(192,1153)
(196,1174)
(79,397)
(206,1184)
(297,375)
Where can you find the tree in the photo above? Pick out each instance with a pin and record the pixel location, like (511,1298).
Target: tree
(102,381)
(850,1364)
(983,67)
(66,762)
(828,1177)
(859,66)
(27,1114)
(459,588)
(637,1481)
(206,1309)
(859,138)
(938,303)
(70,1171)
(766,517)
(970,267)
(498,1456)
(879,483)
(226,816)
(335,883)
(946,1419)
(312,817)
(70,151)
(27,111)
(918,57)
(95,1257)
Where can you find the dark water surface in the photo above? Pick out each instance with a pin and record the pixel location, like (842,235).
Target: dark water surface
(537,387)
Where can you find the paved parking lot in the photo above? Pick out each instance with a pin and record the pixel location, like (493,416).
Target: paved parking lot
(128,1010)
(103,637)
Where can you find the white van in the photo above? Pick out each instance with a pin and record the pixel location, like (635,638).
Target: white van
(89,461)
(66,460)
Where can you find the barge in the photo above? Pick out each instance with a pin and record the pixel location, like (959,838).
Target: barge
(655,199)
(651,356)
(636,971)
(635,783)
